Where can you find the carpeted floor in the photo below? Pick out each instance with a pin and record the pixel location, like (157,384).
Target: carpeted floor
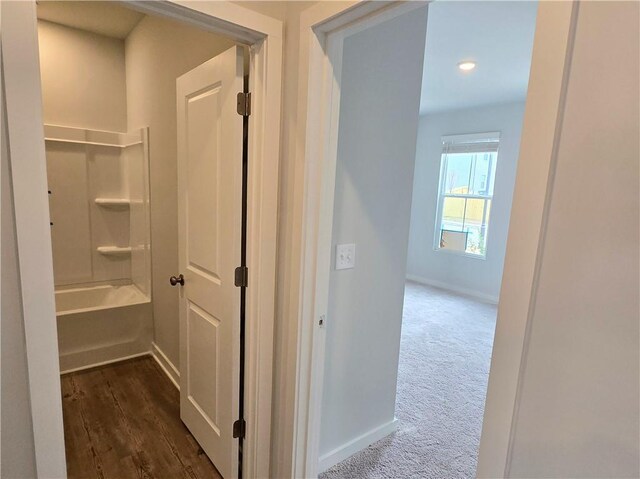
(442,381)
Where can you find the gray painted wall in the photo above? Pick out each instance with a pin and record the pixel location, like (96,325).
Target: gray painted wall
(376,153)
(481,277)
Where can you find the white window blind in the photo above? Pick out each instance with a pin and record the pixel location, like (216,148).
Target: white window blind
(477,142)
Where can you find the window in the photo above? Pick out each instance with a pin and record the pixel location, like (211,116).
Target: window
(467,175)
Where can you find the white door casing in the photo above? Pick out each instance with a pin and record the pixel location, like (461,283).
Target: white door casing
(26,157)
(209,241)
(315,97)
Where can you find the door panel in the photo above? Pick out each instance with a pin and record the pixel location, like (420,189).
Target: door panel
(202,332)
(203,156)
(210,227)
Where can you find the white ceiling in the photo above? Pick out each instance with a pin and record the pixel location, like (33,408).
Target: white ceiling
(498,35)
(104,18)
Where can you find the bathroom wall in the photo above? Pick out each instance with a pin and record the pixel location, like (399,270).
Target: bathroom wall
(157,52)
(83,86)
(83,78)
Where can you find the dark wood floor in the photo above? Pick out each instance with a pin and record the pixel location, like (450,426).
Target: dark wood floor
(123,421)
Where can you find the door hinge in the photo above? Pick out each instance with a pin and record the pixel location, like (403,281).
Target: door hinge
(239,428)
(244,104)
(242,277)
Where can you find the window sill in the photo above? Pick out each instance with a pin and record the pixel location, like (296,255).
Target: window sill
(461,253)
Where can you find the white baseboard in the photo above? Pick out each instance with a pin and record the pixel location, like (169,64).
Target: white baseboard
(355,445)
(166,365)
(104,363)
(68,366)
(99,355)
(487,298)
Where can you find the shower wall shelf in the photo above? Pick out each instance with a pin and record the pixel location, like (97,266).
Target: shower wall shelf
(107,202)
(65,134)
(114,250)
(99,206)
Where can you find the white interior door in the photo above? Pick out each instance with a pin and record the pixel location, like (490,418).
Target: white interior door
(210,227)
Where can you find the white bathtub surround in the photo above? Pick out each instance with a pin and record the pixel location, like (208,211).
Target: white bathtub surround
(99,205)
(136,176)
(96,298)
(102,324)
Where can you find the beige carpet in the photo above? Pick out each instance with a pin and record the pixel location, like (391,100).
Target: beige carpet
(442,381)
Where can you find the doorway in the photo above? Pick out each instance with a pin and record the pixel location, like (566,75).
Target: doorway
(376,284)
(129,101)
(112,170)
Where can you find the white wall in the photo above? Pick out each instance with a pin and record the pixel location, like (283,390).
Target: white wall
(480,277)
(157,52)
(578,413)
(380,96)
(17,443)
(83,78)
(285,330)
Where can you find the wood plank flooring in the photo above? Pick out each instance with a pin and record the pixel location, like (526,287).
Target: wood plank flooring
(123,421)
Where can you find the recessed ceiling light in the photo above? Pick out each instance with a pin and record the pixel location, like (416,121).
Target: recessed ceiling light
(466,66)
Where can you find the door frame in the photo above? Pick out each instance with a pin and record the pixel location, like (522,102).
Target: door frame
(318,108)
(264,35)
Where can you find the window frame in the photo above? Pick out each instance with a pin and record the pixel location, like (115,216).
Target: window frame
(473,138)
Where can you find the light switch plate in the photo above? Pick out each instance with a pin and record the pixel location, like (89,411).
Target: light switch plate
(345,256)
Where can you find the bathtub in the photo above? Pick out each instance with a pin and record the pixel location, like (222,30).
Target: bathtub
(102,324)
(94,298)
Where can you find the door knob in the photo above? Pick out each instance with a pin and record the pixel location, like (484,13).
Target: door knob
(174,280)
